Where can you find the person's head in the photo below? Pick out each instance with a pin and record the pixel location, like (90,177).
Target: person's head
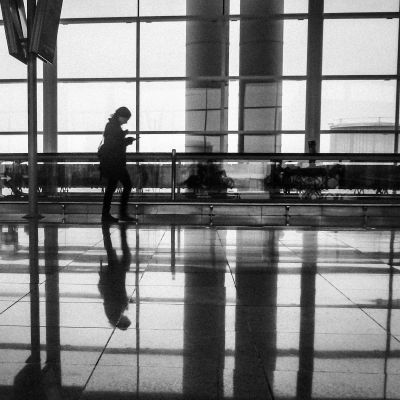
(123,323)
(122,114)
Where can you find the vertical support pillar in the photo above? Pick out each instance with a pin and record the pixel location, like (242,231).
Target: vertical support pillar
(50,139)
(32,117)
(314,76)
(397,110)
(223,123)
(137,92)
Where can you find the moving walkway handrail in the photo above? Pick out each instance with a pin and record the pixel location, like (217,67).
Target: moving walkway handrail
(168,157)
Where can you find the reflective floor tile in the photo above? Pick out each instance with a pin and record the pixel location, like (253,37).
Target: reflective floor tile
(32,382)
(86,315)
(321,319)
(153,382)
(13,291)
(299,386)
(175,348)
(363,281)
(206,318)
(388,319)
(74,293)
(186,295)
(173,278)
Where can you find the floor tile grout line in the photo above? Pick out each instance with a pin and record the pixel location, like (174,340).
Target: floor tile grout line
(113,331)
(334,234)
(15,302)
(97,362)
(259,359)
(360,308)
(226,258)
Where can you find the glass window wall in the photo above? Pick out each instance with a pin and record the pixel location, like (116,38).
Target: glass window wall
(97,71)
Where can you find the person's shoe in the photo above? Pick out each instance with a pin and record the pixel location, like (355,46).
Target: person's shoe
(127,218)
(108,218)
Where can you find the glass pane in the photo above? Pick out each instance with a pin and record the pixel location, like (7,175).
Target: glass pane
(162,106)
(360,46)
(97,101)
(292,143)
(79,143)
(234,7)
(10,67)
(296,6)
(234,39)
(14,113)
(15,143)
(233,106)
(162,142)
(361,5)
(295,47)
(99,8)
(293,105)
(163,49)
(357,143)
(97,50)
(162,7)
(349,102)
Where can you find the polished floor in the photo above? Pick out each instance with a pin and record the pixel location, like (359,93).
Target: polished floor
(180,312)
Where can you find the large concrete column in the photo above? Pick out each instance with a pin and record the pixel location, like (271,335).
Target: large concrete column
(206,101)
(261,49)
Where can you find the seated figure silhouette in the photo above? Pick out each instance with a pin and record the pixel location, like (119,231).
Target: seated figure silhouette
(112,280)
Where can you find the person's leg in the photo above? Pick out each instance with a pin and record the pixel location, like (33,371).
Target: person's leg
(112,183)
(127,185)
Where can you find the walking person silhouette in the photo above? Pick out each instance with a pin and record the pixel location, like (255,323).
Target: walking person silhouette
(112,155)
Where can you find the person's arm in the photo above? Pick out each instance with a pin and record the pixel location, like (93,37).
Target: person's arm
(129,140)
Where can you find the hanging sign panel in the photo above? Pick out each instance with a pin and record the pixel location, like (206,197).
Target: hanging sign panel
(15,25)
(43,41)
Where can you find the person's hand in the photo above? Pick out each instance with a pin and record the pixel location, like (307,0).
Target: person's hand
(130,140)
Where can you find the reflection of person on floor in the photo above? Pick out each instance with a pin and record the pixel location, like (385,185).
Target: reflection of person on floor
(112,280)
